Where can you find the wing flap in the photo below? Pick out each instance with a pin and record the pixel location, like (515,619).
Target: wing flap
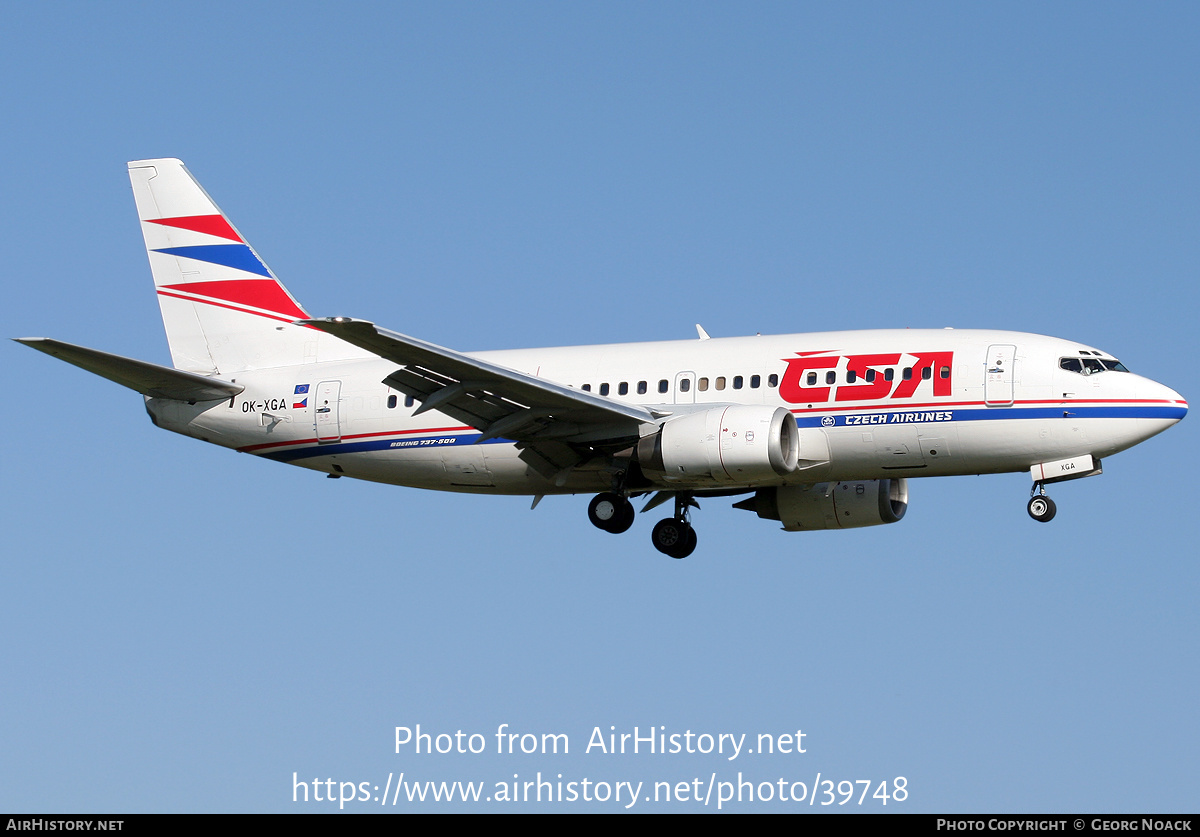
(140,376)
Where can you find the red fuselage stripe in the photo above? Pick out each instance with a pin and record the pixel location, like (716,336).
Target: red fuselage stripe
(252,448)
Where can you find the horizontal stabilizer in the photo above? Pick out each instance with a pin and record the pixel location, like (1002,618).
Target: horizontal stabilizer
(146,378)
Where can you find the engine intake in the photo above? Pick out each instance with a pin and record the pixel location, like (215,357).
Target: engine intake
(735,444)
(838,505)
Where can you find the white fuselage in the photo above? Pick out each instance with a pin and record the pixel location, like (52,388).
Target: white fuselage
(869,405)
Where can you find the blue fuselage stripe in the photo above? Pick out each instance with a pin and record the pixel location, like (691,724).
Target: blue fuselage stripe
(890,417)
(405,443)
(861,419)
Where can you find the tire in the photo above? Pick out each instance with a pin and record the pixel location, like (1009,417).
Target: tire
(611,512)
(604,509)
(1041,508)
(624,520)
(687,547)
(673,537)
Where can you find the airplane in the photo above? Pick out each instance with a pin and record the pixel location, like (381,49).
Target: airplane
(815,431)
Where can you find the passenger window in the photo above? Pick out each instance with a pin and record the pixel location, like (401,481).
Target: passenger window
(392,402)
(720,383)
(702,384)
(945,372)
(737,381)
(812,379)
(604,389)
(755,381)
(623,389)
(641,387)
(889,374)
(926,373)
(830,377)
(773,381)
(664,385)
(908,373)
(851,376)
(685,385)
(408,401)
(871,375)
(586,387)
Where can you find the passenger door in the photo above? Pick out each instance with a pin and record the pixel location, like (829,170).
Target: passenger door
(999,375)
(327,413)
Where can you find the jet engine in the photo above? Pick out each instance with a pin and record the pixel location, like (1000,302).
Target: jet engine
(732,444)
(831,505)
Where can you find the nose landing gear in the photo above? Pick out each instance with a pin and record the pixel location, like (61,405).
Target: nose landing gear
(1041,508)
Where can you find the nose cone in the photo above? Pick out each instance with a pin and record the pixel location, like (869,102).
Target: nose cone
(1175,404)
(1161,407)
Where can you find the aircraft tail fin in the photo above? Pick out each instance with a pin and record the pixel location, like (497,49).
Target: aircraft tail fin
(223,309)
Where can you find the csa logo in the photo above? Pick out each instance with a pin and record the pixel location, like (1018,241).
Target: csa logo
(867,377)
(827,421)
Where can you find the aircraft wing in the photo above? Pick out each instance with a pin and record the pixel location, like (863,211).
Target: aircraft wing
(547,418)
(146,378)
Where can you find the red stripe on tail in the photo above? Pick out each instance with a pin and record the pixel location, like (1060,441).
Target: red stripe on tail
(208,224)
(256,293)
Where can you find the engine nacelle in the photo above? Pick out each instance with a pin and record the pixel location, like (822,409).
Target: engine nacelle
(836,505)
(723,445)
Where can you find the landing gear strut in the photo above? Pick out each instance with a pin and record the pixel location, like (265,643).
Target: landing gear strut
(675,536)
(1041,508)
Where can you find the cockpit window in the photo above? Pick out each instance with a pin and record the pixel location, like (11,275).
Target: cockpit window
(1090,365)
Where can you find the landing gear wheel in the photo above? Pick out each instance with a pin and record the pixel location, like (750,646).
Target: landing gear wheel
(691,543)
(604,509)
(611,512)
(1041,508)
(624,520)
(674,537)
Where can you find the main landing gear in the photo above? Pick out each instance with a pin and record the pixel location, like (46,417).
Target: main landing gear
(611,512)
(675,536)
(672,536)
(1041,508)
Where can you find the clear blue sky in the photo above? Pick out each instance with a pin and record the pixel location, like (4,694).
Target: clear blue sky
(185,627)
